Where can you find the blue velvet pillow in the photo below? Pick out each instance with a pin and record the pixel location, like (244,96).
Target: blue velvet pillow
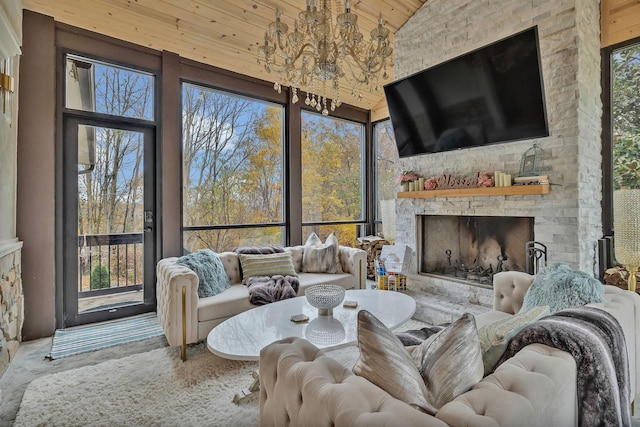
(561,287)
(211,275)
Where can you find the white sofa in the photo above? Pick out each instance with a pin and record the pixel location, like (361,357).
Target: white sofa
(536,387)
(186,318)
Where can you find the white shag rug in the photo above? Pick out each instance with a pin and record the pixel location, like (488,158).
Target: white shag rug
(153,388)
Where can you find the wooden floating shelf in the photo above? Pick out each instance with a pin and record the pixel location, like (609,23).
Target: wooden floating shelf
(476,192)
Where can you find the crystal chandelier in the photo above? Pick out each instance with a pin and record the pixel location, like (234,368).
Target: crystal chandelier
(319,53)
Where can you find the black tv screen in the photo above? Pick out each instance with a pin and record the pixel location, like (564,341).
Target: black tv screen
(491,95)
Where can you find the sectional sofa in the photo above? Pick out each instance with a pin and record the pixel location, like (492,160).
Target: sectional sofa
(300,385)
(186,318)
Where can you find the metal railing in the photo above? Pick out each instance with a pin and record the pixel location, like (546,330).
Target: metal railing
(109,263)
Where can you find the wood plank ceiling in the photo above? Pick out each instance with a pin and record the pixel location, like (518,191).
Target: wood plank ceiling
(223,33)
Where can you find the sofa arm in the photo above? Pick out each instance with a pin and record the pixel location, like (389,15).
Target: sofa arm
(536,387)
(354,261)
(172,278)
(509,288)
(301,386)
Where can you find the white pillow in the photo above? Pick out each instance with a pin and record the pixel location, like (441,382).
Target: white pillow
(495,337)
(321,257)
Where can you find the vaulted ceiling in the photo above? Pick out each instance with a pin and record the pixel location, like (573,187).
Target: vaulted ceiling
(223,33)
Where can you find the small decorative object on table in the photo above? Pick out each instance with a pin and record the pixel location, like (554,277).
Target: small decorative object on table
(325,297)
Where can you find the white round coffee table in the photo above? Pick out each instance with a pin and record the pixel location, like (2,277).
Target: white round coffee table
(241,337)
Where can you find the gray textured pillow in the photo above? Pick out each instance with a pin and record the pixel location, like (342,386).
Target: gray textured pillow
(212,279)
(321,257)
(560,287)
(266,265)
(450,362)
(384,361)
(495,337)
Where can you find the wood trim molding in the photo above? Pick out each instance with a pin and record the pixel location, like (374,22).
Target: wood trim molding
(10,28)
(476,192)
(9,246)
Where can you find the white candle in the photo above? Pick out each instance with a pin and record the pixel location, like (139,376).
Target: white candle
(507,180)
(496,178)
(420,184)
(411,186)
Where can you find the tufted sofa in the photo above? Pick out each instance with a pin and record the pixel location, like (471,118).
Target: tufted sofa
(300,385)
(186,318)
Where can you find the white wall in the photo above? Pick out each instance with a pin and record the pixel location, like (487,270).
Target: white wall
(10,40)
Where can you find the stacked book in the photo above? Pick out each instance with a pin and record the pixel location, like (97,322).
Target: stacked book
(531,180)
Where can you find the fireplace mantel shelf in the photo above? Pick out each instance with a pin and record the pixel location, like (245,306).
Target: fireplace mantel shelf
(476,192)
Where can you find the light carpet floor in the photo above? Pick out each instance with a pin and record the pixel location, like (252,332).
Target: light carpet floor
(153,388)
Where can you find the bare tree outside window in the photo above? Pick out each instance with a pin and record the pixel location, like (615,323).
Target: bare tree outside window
(232,169)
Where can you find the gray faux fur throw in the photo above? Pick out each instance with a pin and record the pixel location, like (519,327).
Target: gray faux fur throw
(264,290)
(596,341)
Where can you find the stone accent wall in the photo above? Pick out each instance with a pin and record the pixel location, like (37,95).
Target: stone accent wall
(568,219)
(11,307)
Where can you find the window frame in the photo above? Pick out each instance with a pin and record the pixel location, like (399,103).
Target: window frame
(607,134)
(376,219)
(363,168)
(207,227)
(197,73)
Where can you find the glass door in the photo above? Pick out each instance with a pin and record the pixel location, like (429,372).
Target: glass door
(109,223)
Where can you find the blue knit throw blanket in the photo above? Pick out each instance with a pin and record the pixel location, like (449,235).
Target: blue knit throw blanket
(596,341)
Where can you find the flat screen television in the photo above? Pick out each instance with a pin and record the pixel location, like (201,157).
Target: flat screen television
(491,95)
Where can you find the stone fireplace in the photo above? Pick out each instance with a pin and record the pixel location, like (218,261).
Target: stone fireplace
(568,219)
(472,248)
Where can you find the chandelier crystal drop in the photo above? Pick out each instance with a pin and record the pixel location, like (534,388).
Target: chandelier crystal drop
(321,53)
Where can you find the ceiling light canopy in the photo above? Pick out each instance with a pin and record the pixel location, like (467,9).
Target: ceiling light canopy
(320,54)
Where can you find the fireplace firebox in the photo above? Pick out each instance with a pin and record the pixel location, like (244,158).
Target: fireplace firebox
(472,248)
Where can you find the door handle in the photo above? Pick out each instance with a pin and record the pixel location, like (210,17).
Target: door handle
(148,229)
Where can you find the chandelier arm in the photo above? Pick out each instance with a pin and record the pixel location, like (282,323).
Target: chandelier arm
(354,75)
(360,62)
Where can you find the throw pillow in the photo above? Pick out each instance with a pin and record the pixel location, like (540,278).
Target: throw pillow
(495,337)
(444,366)
(266,265)
(450,361)
(259,250)
(321,257)
(384,361)
(212,279)
(561,287)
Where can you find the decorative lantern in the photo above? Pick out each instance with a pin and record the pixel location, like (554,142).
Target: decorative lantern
(626,226)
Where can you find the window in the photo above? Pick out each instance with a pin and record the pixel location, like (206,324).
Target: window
(332,176)
(232,172)
(109,89)
(385,155)
(621,121)
(625,116)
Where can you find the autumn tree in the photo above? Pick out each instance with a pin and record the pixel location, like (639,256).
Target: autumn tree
(625,116)
(331,173)
(264,169)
